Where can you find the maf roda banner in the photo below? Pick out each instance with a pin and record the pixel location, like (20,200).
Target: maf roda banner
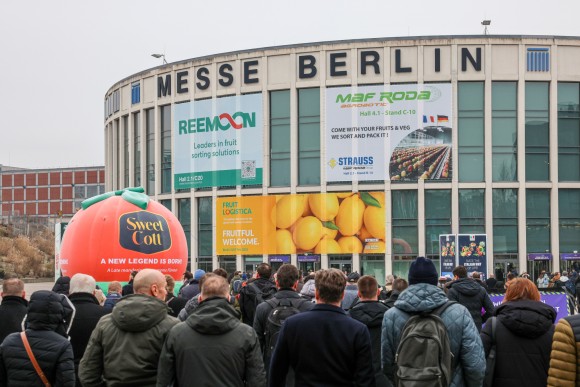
(326,223)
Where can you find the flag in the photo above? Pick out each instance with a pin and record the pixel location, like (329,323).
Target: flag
(424,119)
(442,119)
(432,119)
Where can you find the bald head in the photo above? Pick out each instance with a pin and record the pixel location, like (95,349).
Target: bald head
(13,287)
(215,286)
(150,282)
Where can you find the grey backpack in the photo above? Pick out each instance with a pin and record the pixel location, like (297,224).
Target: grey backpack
(424,355)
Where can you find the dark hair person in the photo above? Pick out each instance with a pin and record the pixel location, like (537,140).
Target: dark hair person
(523,336)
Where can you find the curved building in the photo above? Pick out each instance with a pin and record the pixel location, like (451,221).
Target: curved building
(360,154)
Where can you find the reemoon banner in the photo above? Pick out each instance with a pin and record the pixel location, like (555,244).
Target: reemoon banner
(388,132)
(218,142)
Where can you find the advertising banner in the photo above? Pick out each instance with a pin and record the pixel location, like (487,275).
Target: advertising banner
(447,254)
(556,300)
(218,142)
(539,257)
(388,132)
(569,256)
(326,223)
(472,253)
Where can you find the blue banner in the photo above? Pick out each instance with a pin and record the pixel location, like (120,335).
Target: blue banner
(447,254)
(471,252)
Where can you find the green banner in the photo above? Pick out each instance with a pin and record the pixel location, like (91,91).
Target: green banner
(230,177)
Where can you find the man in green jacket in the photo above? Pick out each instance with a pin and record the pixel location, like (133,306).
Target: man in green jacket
(125,345)
(212,346)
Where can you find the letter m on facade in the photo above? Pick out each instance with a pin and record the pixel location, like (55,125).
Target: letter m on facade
(164,88)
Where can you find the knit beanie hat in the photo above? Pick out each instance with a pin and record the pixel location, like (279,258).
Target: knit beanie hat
(423,270)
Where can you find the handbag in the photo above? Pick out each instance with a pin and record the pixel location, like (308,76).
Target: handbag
(490,361)
(33,360)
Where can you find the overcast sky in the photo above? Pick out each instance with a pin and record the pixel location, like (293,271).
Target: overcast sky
(58,58)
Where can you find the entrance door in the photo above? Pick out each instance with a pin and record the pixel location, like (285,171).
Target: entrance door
(308,267)
(504,264)
(536,267)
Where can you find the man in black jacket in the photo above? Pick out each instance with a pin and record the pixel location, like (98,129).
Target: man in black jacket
(13,308)
(286,283)
(255,292)
(212,346)
(470,294)
(87,315)
(370,311)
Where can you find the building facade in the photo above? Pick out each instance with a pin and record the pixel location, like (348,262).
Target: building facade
(47,193)
(448,135)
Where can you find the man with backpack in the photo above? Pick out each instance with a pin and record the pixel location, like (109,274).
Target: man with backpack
(453,356)
(255,292)
(324,346)
(271,313)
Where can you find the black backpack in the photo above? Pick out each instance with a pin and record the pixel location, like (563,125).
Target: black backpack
(282,308)
(254,296)
(424,355)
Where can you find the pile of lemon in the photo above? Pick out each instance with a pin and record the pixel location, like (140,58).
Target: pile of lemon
(330,223)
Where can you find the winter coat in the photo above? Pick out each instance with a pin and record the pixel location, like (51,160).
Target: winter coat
(12,312)
(62,285)
(371,314)
(190,290)
(324,347)
(564,360)
(87,315)
(247,298)
(125,345)
(491,284)
(307,290)
(470,294)
(463,335)
(350,296)
(52,350)
(524,331)
(392,298)
(212,346)
(175,304)
(111,301)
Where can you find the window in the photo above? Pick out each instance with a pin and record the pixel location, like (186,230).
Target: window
(125,151)
(165,148)
(538,220)
(568,132)
(309,137)
(137,149)
(184,217)
(150,151)
(280,138)
(118,144)
(437,218)
(505,221)
(472,211)
(537,131)
(470,103)
(569,211)
(204,227)
(166,203)
(504,125)
(135,93)
(405,223)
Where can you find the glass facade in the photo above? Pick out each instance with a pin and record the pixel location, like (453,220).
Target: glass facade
(472,211)
(569,215)
(184,217)
(437,218)
(569,132)
(538,221)
(137,149)
(204,227)
(125,151)
(150,151)
(165,148)
(405,224)
(505,221)
(471,119)
(309,137)
(537,131)
(280,138)
(504,124)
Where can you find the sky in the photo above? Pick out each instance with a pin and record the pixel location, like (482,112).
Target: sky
(59,57)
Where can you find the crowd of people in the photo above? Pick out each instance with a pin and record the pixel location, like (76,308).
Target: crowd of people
(327,328)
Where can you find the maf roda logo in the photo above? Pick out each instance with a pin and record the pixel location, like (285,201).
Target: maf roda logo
(144,232)
(332,163)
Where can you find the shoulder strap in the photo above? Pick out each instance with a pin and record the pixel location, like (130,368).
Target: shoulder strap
(33,359)
(493,329)
(273,302)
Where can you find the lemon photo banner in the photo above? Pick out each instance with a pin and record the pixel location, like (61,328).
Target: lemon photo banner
(325,223)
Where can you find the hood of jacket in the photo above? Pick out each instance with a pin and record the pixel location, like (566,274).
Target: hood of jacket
(50,311)
(138,312)
(526,318)
(421,297)
(308,288)
(369,313)
(214,316)
(465,286)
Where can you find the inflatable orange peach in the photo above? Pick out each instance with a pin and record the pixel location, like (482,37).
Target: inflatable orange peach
(118,232)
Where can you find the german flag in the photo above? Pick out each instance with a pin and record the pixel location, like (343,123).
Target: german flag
(442,119)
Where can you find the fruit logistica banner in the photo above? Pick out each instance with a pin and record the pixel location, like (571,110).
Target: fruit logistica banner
(327,223)
(388,132)
(218,142)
